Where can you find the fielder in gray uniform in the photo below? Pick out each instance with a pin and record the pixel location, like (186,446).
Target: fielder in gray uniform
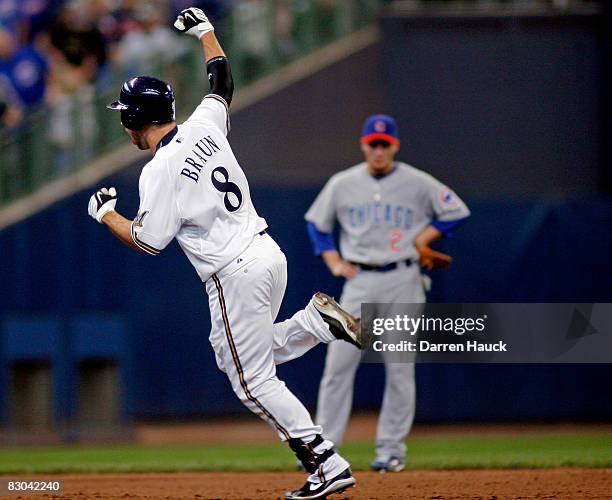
(389,214)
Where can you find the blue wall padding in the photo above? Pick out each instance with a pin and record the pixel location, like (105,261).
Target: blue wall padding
(527,251)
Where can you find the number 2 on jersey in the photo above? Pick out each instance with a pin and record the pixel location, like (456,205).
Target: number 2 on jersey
(396,239)
(226,187)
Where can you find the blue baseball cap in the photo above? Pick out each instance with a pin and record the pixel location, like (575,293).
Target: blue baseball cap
(379,127)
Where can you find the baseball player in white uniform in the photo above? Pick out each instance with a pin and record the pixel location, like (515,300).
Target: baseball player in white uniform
(389,214)
(194,190)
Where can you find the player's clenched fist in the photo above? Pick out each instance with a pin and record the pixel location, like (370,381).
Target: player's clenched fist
(193,21)
(102,202)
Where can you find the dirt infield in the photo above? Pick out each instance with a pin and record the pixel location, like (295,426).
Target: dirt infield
(499,484)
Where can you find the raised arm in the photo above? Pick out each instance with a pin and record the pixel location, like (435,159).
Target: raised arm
(193,21)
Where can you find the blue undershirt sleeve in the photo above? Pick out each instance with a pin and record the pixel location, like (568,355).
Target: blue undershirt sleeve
(321,242)
(448,228)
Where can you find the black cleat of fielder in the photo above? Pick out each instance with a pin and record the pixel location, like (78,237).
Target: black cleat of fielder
(310,491)
(341,324)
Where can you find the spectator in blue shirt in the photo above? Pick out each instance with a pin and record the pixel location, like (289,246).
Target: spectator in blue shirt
(25,68)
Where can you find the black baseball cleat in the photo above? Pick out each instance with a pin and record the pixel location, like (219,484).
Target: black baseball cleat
(341,324)
(310,491)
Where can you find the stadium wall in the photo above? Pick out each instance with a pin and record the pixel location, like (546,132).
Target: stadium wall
(64,267)
(507,103)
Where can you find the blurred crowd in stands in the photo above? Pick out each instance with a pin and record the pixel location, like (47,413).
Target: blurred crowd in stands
(51,48)
(55,53)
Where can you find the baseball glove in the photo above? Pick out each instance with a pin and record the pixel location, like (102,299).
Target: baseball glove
(430,259)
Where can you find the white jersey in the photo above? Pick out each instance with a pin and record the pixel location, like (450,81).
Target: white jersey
(194,190)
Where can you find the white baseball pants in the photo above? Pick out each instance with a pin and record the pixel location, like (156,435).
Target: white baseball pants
(244,298)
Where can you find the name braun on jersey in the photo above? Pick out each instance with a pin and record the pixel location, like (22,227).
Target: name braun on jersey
(204,149)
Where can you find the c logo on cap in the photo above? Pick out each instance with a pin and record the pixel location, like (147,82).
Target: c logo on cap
(380,126)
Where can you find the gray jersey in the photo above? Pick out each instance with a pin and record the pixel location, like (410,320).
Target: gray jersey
(379,218)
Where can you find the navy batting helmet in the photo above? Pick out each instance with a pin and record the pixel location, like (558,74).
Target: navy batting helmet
(144,100)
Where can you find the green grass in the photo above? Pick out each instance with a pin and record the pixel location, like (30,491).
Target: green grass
(501,452)
(424,453)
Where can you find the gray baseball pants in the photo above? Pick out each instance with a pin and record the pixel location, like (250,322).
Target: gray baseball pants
(402,285)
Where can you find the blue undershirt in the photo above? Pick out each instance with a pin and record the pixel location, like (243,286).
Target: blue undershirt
(321,242)
(447,228)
